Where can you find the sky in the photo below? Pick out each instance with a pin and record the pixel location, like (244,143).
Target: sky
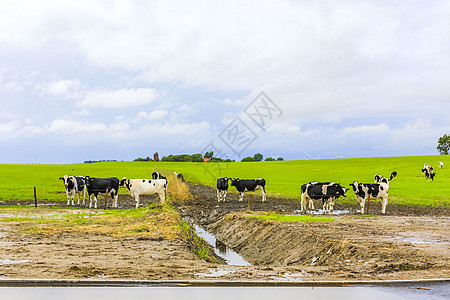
(99,80)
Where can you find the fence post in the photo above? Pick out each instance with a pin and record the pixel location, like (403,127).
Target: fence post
(35,198)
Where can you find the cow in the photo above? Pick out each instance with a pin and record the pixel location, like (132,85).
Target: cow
(179,176)
(328,192)
(222,189)
(368,191)
(251,185)
(424,170)
(429,176)
(393,175)
(427,168)
(156,175)
(74,185)
(102,185)
(148,187)
(377,178)
(441,165)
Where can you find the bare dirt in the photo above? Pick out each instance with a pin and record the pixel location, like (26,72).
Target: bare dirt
(406,243)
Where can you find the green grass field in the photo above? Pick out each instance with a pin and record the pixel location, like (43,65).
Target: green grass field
(283,178)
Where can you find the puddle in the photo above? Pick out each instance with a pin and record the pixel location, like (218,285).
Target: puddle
(215,273)
(415,240)
(320,212)
(10,262)
(229,255)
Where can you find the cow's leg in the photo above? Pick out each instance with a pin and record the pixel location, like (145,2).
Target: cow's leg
(384,202)
(264,196)
(68,197)
(95,200)
(136,198)
(78,194)
(90,200)
(116,200)
(324,206)
(72,197)
(361,203)
(241,196)
(162,197)
(84,196)
(224,195)
(303,202)
(331,206)
(311,204)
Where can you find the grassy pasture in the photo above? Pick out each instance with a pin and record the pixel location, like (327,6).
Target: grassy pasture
(283,178)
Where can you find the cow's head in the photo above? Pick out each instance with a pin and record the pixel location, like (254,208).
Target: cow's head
(342,191)
(68,180)
(355,186)
(87,180)
(234,181)
(122,182)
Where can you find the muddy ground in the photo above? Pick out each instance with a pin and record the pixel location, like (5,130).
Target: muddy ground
(406,243)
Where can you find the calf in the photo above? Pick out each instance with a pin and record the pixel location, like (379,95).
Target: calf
(138,187)
(222,189)
(74,185)
(101,185)
(328,192)
(393,175)
(244,185)
(441,165)
(369,191)
(429,176)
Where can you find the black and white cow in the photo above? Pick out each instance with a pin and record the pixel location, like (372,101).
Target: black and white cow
(393,175)
(138,187)
(74,185)
(250,185)
(222,189)
(368,191)
(179,176)
(441,165)
(100,185)
(156,175)
(427,168)
(328,192)
(377,178)
(429,176)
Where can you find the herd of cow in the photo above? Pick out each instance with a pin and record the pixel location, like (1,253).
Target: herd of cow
(328,192)
(94,186)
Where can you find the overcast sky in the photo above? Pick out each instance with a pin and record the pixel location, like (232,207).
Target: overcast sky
(92,80)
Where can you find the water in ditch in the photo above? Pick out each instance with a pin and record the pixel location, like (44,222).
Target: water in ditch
(229,255)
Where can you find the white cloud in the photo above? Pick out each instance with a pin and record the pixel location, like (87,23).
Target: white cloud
(152,115)
(61,87)
(70,126)
(121,98)
(368,130)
